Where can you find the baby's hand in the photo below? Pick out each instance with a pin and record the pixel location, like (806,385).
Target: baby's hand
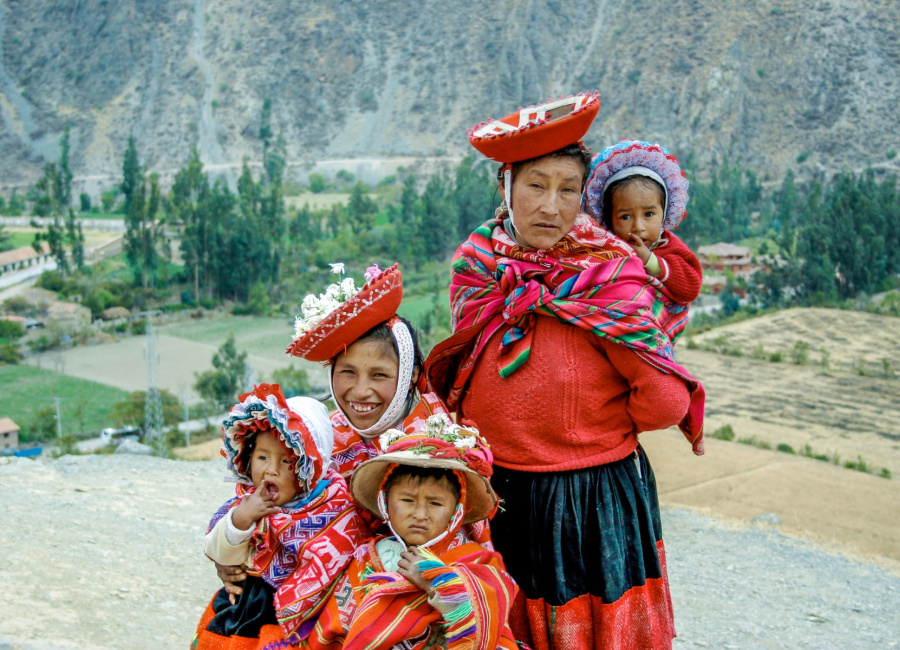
(639,247)
(408,567)
(254,507)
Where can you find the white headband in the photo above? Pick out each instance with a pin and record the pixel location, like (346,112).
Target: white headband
(637,170)
(396,409)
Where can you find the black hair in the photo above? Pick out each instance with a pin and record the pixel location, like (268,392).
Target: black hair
(611,190)
(574,151)
(419,475)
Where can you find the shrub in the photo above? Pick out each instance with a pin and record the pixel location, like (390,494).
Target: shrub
(859,464)
(108,200)
(51,281)
(293,381)
(16,305)
(724,432)
(317,183)
(786,448)
(884,473)
(800,353)
(753,441)
(775,357)
(9,354)
(802,157)
(66,447)
(11,330)
(758,352)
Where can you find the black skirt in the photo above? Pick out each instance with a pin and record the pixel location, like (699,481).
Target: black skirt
(589,531)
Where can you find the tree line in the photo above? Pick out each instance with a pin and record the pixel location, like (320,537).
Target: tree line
(828,239)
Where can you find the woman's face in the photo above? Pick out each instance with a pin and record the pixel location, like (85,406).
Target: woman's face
(546,197)
(364,380)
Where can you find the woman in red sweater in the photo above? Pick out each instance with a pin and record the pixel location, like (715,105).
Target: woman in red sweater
(558,356)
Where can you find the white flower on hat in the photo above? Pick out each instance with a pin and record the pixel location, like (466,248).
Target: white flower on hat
(389,437)
(436,424)
(314,309)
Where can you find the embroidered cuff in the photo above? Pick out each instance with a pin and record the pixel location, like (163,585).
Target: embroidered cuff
(652,266)
(451,598)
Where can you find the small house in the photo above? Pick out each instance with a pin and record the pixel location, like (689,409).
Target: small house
(9,434)
(23,258)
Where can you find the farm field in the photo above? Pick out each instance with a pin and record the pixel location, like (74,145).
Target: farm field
(322,201)
(848,410)
(184,349)
(83,404)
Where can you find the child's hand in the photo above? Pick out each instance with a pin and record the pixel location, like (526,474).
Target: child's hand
(254,507)
(639,247)
(408,567)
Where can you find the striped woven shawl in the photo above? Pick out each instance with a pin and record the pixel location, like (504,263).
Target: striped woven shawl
(590,280)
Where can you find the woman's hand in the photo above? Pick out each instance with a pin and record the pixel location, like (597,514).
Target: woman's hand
(254,507)
(230,576)
(408,567)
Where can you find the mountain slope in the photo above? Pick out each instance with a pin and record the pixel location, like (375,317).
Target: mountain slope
(765,83)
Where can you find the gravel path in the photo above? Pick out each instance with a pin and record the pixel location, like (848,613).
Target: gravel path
(104,552)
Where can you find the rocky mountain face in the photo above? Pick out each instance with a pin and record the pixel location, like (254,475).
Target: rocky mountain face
(367,84)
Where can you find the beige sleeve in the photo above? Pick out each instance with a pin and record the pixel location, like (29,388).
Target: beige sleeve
(226,544)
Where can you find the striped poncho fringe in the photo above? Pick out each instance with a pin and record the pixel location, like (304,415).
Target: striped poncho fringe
(608,295)
(392,610)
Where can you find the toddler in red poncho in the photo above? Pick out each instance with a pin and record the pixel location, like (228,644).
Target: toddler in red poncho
(293,525)
(639,192)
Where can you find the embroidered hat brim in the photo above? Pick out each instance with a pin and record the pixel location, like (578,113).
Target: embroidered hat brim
(375,303)
(536,130)
(481,500)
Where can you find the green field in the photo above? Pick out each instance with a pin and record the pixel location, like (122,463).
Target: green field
(19,239)
(84,405)
(265,337)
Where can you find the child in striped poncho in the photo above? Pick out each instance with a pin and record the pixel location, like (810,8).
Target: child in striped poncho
(427,585)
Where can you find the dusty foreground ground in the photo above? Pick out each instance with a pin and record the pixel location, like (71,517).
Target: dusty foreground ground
(104,552)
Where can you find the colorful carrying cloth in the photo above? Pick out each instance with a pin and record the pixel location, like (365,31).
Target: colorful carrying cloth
(588,279)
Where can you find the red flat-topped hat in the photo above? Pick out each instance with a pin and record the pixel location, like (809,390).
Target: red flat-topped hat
(376,302)
(537,130)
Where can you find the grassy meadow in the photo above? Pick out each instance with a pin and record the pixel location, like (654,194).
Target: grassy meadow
(84,405)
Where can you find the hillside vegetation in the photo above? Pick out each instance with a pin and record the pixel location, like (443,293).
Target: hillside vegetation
(766,83)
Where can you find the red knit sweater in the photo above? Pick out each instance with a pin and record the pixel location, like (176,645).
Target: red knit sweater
(682,275)
(579,401)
